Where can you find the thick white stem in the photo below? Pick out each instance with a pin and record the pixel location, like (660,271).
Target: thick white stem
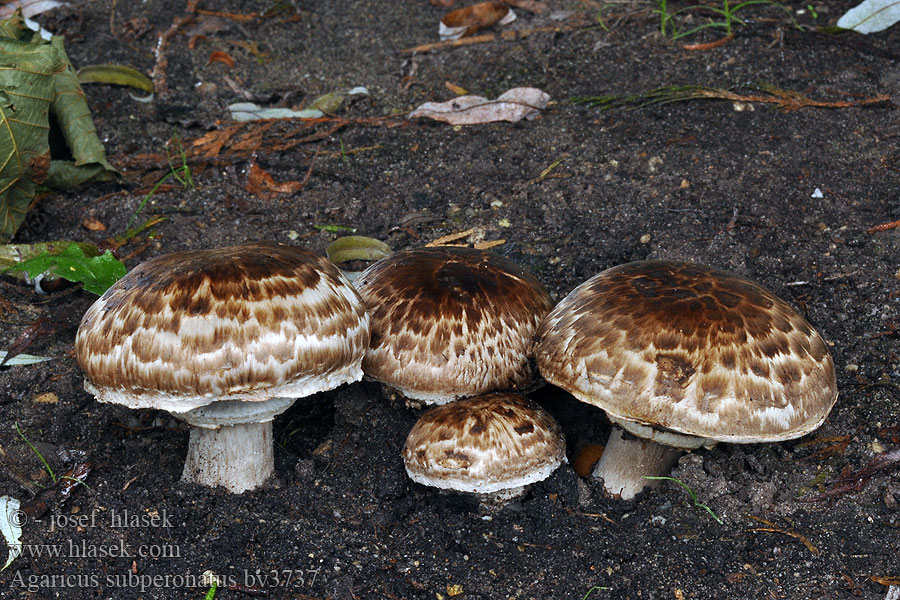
(236,457)
(625,463)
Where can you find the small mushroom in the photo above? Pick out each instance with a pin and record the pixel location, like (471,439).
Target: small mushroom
(682,356)
(224,340)
(451,322)
(492,445)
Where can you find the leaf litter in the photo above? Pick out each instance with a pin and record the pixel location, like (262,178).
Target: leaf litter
(467,20)
(513,105)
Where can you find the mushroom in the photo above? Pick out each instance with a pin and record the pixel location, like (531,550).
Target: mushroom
(450,322)
(682,356)
(492,445)
(225,340)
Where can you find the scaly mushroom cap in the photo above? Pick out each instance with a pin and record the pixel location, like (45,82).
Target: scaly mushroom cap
(484,445)
(248,323)
(689,349)
(451,322)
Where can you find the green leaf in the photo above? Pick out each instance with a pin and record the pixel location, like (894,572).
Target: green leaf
(37,80)
(115,74)
(97,273)
(356,247)
(335,228)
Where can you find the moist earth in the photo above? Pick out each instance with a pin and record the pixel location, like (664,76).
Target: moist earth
(784,197)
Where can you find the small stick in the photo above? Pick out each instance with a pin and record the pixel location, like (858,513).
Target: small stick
(773,529)
(790,102)
(884,227)
(158,75)
(453,237)
(709,45)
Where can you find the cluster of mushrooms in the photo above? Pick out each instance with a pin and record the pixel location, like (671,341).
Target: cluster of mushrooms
(678,356)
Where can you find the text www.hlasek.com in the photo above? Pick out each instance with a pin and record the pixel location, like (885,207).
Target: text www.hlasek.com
(284,578)
(73,549)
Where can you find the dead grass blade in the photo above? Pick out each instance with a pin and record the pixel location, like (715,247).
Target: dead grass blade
(772,528)
(786,100)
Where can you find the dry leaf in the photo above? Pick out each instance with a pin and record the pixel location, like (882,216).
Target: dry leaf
(468,20)
(221,57)
(513,105)
(532,6)
(458,90)
(92,224)
(29,8)
(261,184)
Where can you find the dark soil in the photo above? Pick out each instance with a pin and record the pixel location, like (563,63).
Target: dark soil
(699,180)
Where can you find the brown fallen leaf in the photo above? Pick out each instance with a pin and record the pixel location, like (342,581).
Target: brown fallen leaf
(532,6)
(458,90)
(220,56)
(55,495)
(513,105)
(854,481)
(260,183)
(92,224)
(467,20)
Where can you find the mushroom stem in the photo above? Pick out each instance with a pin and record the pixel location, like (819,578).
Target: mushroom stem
(626,461)
(236,457)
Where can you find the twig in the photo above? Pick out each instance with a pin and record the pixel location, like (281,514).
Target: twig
(884,227)
(309,170)
(855,482)
(453,237)
(709,45)
(790,101)
(786,100)
(596,516)
(772,528)
(481,39)
(158,75)
(112,18)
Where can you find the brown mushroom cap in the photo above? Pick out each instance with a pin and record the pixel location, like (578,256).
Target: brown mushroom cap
(690,349)
(484,445)
(451,322)
(247,323)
